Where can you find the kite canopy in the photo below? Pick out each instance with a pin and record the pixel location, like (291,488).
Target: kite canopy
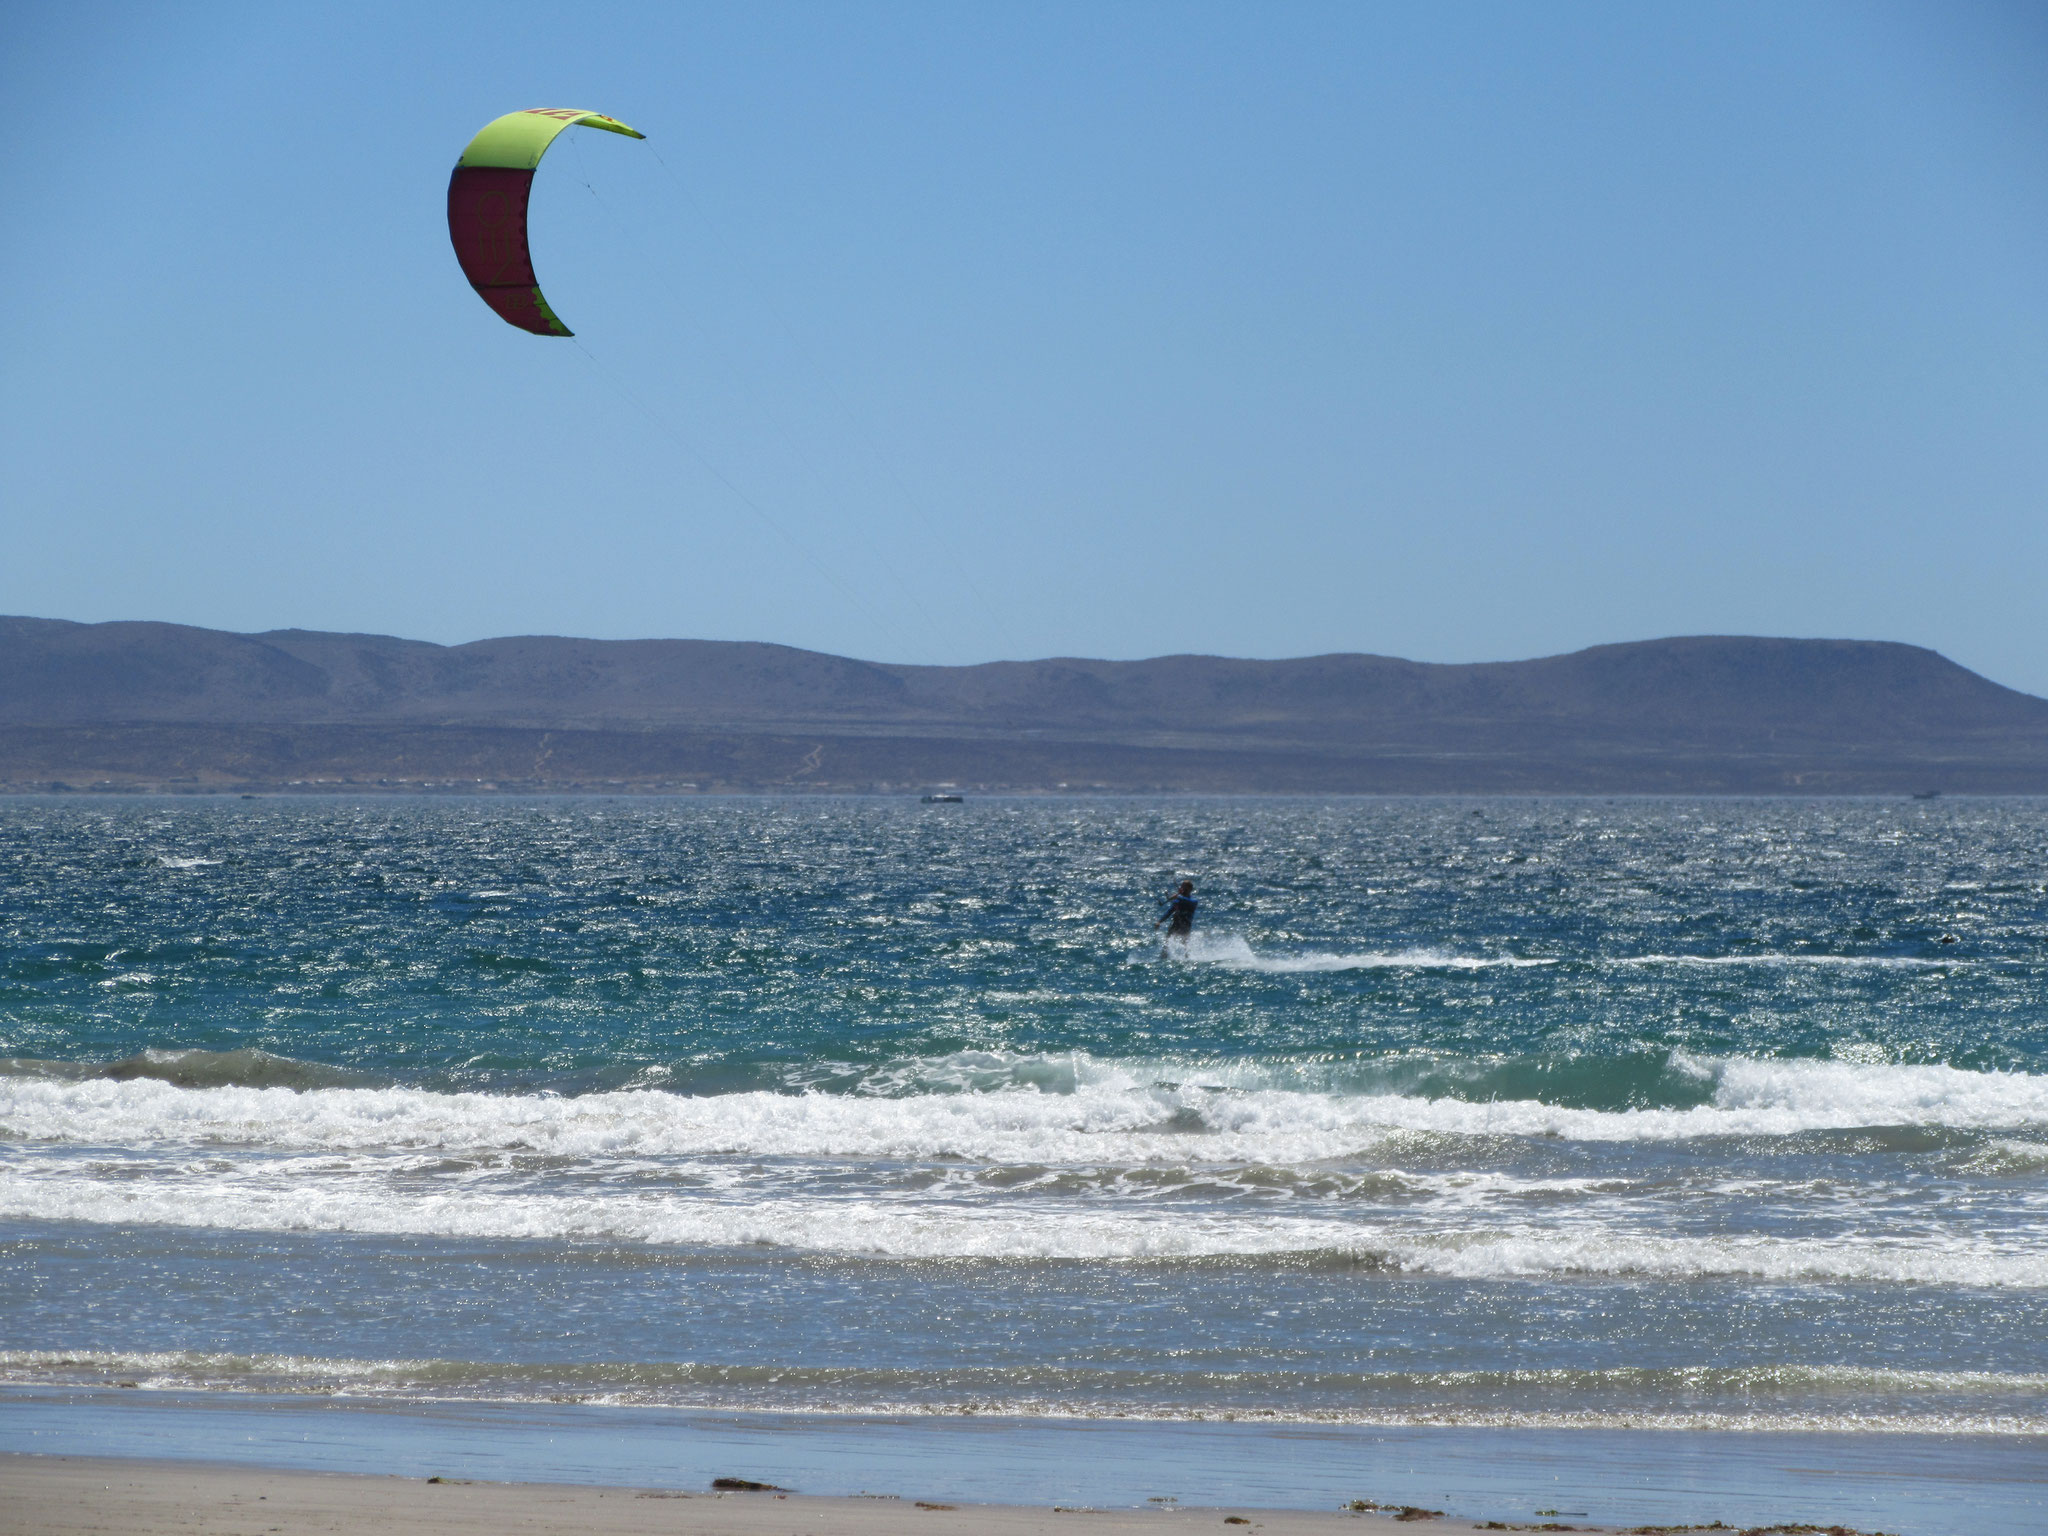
(487,209)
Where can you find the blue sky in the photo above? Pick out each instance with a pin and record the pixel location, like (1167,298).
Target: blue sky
(946,332)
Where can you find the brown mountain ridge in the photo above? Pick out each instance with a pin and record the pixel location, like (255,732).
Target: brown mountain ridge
(166,706)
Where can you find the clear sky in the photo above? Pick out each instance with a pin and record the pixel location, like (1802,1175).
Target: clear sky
(936,332)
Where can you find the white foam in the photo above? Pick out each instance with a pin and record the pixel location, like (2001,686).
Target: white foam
(1095,1112)
(1852,962)
(922,1229)
(1230,951)
(1782,1097)
(1233,952)
(1771,1398)
(1541,1253)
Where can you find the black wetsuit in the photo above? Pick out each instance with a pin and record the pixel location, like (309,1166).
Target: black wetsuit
(1180,916)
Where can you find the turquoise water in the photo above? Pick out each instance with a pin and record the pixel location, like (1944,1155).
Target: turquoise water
(1619,1115)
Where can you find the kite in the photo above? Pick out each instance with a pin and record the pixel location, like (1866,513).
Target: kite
(487,209)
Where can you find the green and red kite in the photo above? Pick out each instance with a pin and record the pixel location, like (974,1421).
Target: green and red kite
(487,209)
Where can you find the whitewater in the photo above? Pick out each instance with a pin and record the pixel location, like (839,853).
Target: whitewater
(1651,1113)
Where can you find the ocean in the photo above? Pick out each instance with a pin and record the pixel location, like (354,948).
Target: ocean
(1614,1115)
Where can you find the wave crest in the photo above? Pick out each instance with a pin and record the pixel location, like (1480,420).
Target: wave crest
(245,1068)
(1740,1397)
(995,1109)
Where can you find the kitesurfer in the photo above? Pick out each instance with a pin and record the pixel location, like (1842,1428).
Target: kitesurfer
(1178,916)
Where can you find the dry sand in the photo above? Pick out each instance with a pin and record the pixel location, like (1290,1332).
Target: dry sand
(60,1495)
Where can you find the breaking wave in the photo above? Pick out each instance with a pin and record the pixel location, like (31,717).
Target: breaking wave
(934,1230)
(249,1068)
(1842,1398)
(1035,1110)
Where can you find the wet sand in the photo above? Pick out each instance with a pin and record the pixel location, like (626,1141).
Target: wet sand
(62,1495)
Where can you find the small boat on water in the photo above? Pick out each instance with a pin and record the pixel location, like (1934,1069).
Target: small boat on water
(942,799)
(1926,794)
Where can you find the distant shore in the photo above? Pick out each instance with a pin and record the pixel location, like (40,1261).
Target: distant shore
(458,759)
(143,705)
(354,789)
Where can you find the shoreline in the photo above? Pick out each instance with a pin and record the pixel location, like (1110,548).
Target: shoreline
(144,1383)
(361,789)
(838,1473)
(58,1495)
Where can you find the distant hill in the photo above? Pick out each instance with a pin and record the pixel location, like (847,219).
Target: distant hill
(133,705)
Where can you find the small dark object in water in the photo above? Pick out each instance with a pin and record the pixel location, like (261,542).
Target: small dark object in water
(942,799)
(1926,794)
(742,1485)
(1398,1511)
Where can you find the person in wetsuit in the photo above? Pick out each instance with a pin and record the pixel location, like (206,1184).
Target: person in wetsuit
(1179,916)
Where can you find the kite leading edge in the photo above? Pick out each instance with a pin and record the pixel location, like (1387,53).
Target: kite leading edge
(487,209)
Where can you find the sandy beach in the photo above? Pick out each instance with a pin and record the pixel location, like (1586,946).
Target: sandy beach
(59,1495)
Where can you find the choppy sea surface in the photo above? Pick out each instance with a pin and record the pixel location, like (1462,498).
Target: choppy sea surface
(1606,1113)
